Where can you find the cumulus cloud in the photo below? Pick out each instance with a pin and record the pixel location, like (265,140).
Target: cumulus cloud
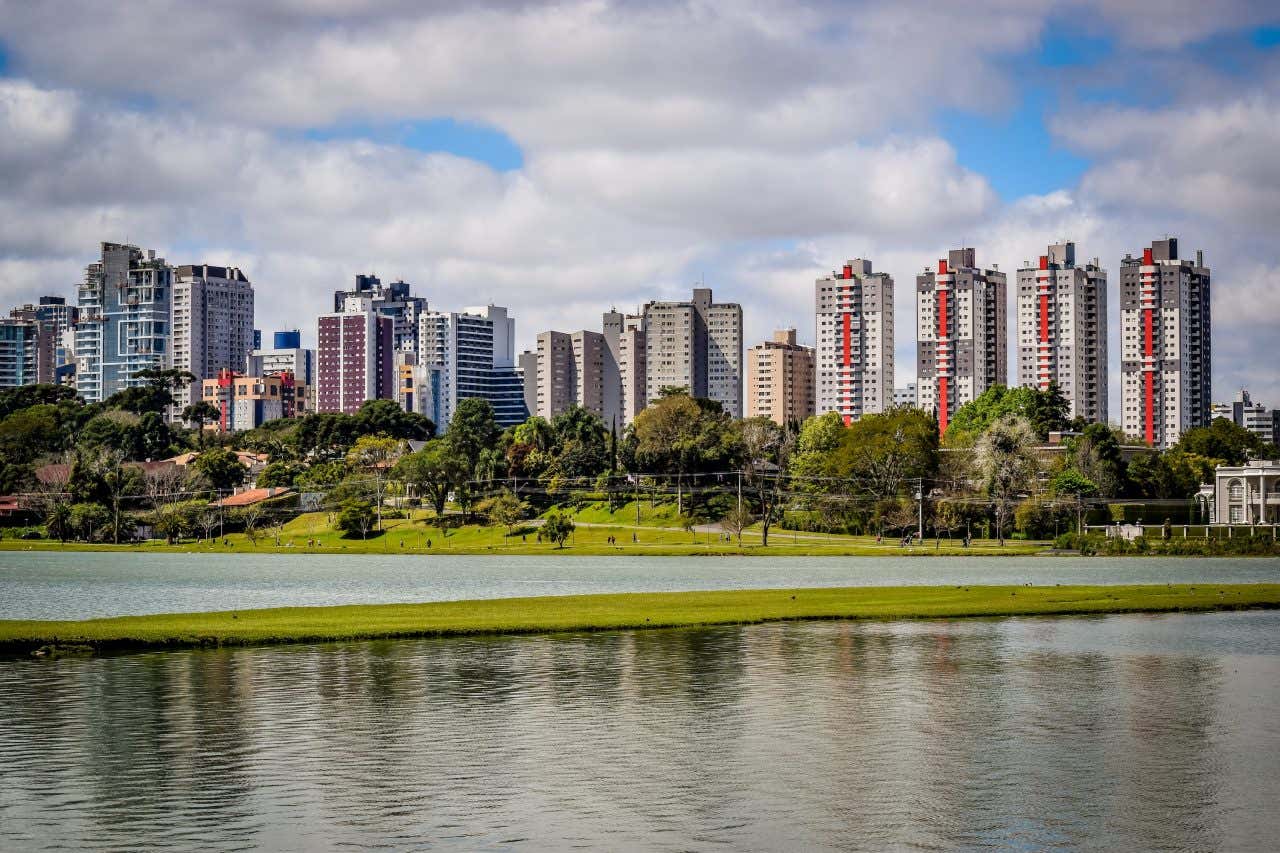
(758,144)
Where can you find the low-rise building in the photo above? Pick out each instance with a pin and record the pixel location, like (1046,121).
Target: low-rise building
(1244,494)
(247,402)
(1255,417)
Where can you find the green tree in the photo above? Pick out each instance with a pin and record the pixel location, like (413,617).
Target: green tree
(325,436)
(472,430)
(198,414)
(679,435)
(1005,464)
(356,517)
(818,439)
(1223,440)
(505,509)
(88,520)
(25,396)
(1048,411)
(221,468)
(320,476)
(556,528)
(30,433)
(277,475)
(376,455)
(882,454)
(154,439)
(1095,454)
(155,393)
(1074,485)
(433,472)
(388,418)
(1044,411)
(766,450)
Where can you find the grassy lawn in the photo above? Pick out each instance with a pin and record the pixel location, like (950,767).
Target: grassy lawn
(606,612)
(313,533)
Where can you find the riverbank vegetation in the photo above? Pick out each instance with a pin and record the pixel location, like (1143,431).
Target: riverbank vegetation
(124,470)
(619,611)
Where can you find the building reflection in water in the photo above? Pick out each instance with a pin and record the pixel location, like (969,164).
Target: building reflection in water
(1017,732)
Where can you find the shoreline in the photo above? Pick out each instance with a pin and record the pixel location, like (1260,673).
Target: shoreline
(615,611)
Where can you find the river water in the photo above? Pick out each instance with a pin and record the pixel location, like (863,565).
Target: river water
(1118,733)
(43,585)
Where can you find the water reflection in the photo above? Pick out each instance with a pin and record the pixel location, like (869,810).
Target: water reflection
(1033,733)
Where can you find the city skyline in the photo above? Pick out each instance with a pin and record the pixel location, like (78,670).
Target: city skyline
(613,171)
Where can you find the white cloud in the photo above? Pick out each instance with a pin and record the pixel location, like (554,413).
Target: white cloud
(759,142)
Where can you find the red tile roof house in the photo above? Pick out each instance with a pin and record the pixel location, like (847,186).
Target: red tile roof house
(249,497)
(59,473)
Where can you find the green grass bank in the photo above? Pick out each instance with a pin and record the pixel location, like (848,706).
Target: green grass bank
(599,533)
(619,611)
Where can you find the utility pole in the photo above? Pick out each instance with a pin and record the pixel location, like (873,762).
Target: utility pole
(920,502)
(739,494)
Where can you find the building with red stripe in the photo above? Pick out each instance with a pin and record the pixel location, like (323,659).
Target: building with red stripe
(962,346)
(1166,356)
(853,313)
(1062,329)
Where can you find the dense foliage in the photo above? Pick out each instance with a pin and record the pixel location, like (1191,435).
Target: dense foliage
(90,472)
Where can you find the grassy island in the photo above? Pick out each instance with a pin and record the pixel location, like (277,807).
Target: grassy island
(619,611)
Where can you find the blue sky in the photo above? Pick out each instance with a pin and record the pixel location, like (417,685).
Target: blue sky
(464,139)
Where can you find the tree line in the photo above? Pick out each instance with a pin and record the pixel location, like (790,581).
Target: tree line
(878,474)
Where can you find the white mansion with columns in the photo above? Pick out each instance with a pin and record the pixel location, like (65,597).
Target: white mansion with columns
(1244,494)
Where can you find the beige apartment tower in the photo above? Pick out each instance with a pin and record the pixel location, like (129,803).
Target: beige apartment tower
(695,345)
(568,370)
(780,379)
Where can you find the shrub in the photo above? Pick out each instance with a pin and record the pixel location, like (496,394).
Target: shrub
(356,518)
(556,528)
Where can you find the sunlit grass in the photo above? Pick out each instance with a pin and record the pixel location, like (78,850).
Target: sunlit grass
(619,611)
(314,533)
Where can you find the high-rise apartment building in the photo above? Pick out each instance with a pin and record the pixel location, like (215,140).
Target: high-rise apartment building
(553,375)
(389,300)
(695,345)
(1165,348)
(569,370)
(354,359)
(625,392)
(285,355)
(40,340)
(853,331)
(124,320)
(211,323)
(22,346)
(1062,330)
(962,344)
(780,379)
(55,343)
(472,352)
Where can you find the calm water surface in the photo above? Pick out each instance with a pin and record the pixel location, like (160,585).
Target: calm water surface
(1122,733)
(41,585)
